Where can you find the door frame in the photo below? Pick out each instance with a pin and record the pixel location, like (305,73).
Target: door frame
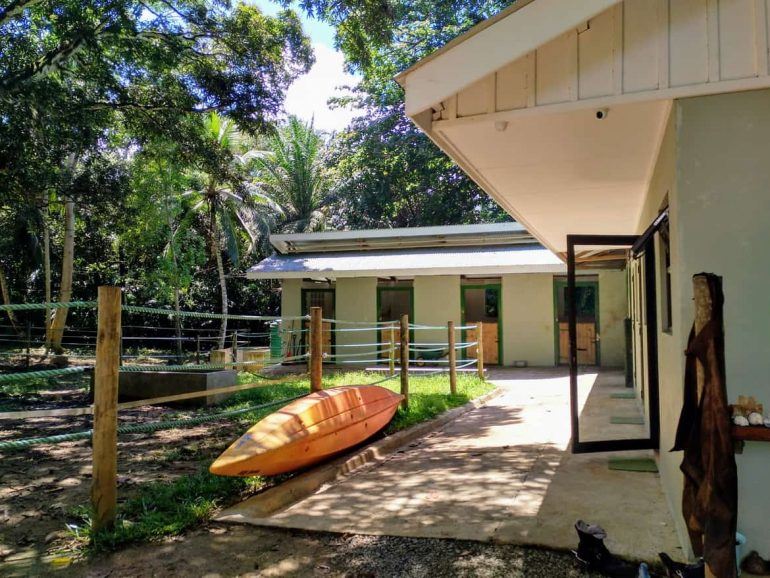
(380,289)
(564,283)
(498,288)
(306,324)
(640,246)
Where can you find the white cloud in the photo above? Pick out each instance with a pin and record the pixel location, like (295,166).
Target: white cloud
(307,97)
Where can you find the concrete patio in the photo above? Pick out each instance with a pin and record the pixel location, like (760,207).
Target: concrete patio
(501,473)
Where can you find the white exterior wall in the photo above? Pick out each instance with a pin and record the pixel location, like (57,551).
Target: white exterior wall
(613,310)
(723,187)
(528,319)
(356,300)
(291,303)
(675,47)
(436,301)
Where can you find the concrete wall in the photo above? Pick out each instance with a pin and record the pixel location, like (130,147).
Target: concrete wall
(671,344)
(436,301)
(528,319)
(613,310)
(723,188)
(356,301)
(291,302)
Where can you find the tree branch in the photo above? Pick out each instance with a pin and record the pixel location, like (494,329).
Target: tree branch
(15,8)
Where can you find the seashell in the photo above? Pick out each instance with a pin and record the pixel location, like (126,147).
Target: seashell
(755,418)
(767,421)
(740,420)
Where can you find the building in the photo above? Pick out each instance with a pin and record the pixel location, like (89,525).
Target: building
(496,274)
(647,123)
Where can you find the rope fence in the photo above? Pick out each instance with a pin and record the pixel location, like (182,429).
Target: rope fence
(300,339)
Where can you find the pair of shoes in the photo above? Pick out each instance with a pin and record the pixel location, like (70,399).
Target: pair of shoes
(755,564)
(592,554)
(679,570)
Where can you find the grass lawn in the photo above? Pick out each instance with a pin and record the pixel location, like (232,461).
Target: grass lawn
(157,510)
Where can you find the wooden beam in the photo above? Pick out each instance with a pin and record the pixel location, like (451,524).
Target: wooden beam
(104,485)
(405,360)
(452,358)
(316,349)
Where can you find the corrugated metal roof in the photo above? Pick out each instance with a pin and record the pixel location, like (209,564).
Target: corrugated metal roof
(401,238)
(495,260)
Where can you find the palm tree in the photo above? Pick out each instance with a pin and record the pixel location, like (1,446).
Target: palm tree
(228,203)
(292,174)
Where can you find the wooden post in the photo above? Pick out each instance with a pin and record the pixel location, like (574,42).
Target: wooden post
(480,349)
(29,342)
(316,348)
(405,360)
(235,345)
(452,357)
(703,313)
(104,486)
(392,352)
(198,349)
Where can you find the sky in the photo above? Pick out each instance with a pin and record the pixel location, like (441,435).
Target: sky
(307,97)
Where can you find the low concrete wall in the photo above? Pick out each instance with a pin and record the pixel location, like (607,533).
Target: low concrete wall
(151,384)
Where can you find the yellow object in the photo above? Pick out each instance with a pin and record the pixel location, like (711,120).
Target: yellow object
(309,430)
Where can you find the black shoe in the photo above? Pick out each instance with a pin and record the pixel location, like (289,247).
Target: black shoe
(679,570)
(592,554)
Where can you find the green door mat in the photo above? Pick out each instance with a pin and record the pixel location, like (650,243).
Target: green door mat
(633,464)
(623,395)
(627,419)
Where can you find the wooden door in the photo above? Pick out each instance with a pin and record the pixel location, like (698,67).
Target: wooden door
(491,339)
(586,343)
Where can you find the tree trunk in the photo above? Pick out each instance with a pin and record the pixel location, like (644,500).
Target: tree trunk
(223,287)
(65,290)
(47,275)
(7,301)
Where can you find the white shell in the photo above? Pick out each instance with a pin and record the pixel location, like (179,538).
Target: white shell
(740,420)
(755,418)
(767,421)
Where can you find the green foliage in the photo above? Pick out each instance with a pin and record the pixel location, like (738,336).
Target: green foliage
(389,174)
(291,172)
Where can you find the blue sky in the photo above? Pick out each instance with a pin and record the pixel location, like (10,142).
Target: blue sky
(308,96)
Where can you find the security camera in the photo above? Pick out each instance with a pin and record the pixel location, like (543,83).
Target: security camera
(602,113)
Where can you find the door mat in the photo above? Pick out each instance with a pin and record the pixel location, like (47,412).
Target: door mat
(633,464)
(627,419)
(623,395)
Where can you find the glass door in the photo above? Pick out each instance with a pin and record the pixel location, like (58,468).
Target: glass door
(613,407)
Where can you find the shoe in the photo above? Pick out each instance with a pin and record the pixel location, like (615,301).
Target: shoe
(755,564)
(592,554)
(679,570)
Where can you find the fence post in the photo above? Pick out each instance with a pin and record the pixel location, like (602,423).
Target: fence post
(29,342)
(405,360)
(198,349)
(480,349)
(104,486)
(235,352)
(392,352)
(452,357)
(316,348)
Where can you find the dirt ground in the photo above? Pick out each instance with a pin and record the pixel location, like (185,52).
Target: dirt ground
(218,550)
(40,486)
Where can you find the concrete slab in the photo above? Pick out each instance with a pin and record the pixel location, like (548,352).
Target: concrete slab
(499,473)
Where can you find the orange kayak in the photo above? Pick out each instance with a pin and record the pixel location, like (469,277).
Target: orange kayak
(309,430)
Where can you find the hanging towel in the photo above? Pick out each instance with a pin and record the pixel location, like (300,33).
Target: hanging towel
(710,500)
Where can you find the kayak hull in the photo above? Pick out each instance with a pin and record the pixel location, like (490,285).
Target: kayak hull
(309,430)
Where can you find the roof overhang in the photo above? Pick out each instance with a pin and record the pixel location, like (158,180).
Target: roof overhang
(470,261)
(491,45)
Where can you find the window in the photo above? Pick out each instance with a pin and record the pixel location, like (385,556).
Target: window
(323,298)
(664,260)
(394,302)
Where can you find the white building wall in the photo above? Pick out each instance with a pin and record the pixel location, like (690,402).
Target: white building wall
(436,301)
(613,310)
(528,319)
(723,188)
(356,301)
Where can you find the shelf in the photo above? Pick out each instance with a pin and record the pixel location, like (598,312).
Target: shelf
(751,433)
